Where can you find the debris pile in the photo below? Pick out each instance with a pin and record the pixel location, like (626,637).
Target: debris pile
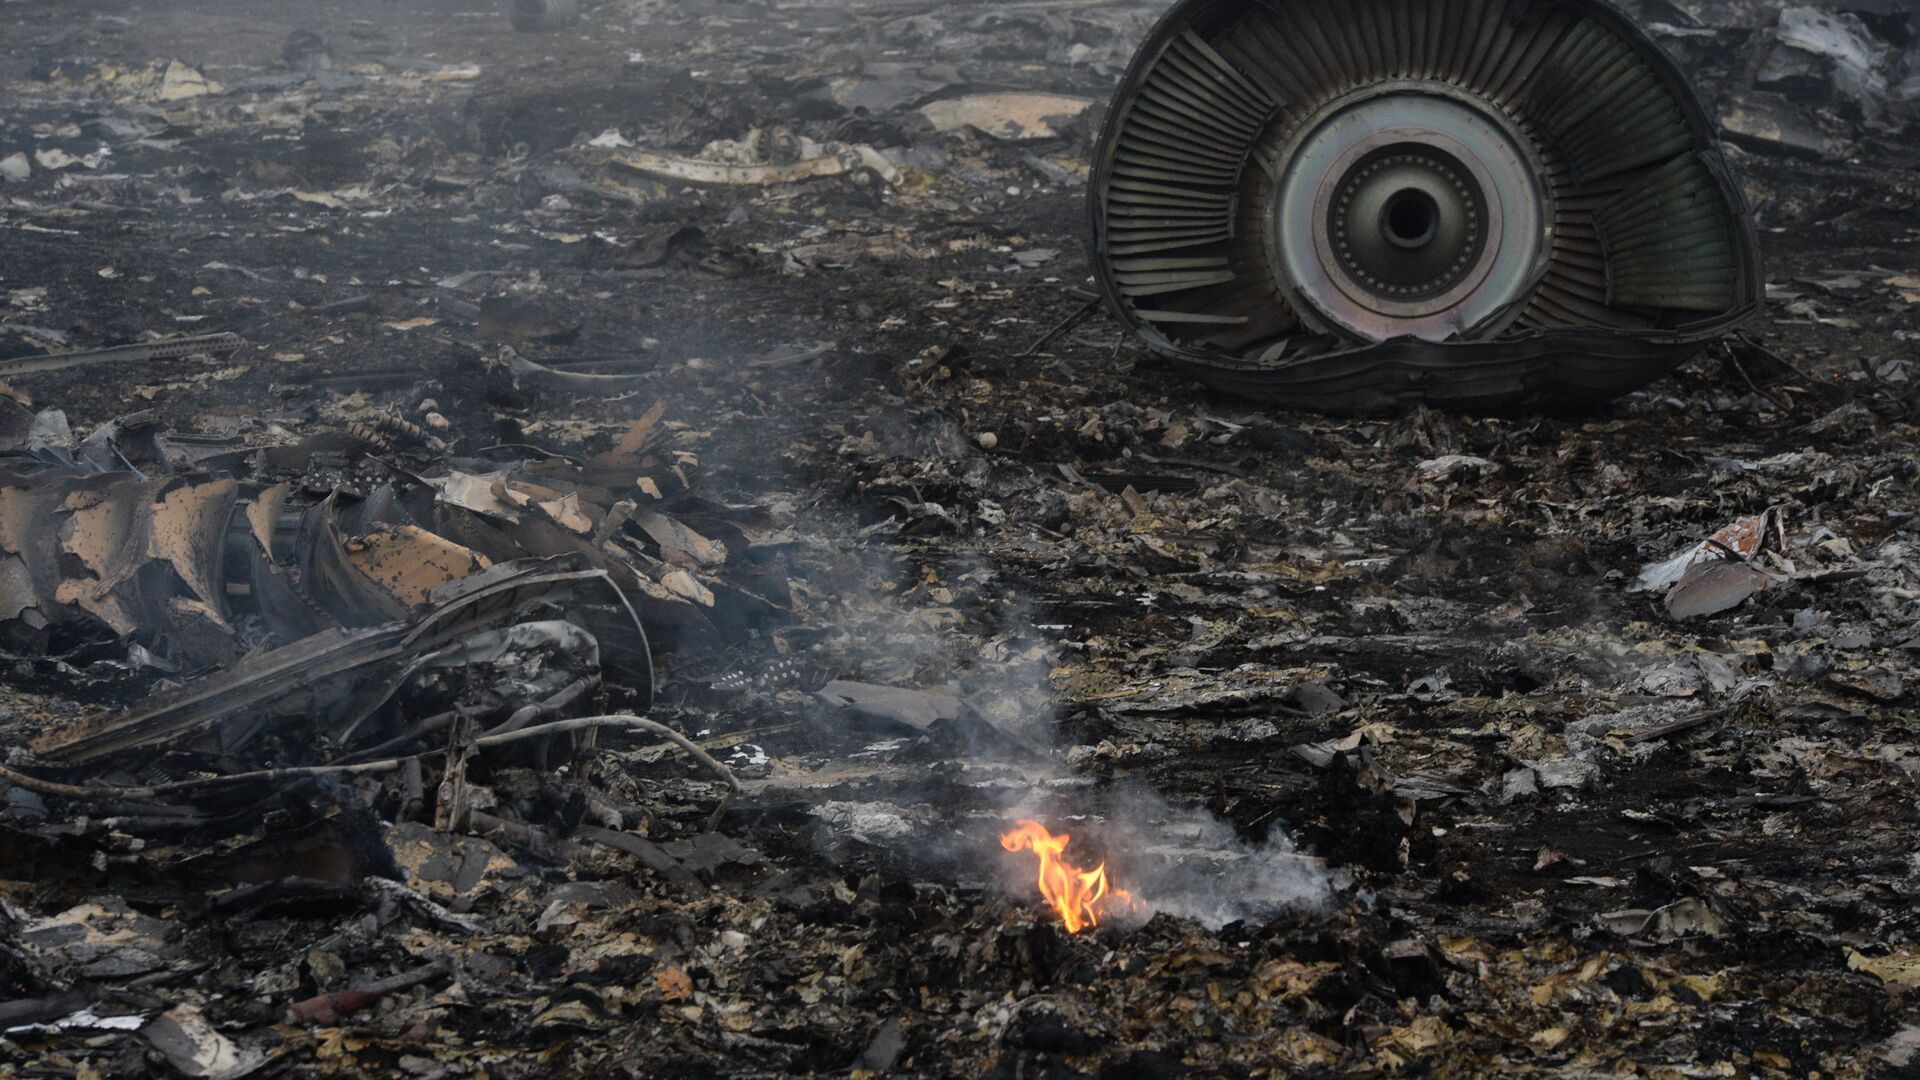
(377,653)
(246,553)
(1821,79)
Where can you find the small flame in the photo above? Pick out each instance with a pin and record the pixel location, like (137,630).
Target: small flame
(1079,896)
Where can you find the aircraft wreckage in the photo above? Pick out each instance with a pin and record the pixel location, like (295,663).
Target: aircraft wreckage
(1350,206)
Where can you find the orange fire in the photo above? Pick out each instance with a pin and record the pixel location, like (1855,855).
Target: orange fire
(1080,896)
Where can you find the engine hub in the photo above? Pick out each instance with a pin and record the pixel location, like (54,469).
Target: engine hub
(1424,215)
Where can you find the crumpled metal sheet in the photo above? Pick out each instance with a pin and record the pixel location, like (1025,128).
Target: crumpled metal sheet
(334,679)
(132,552)
(199,567)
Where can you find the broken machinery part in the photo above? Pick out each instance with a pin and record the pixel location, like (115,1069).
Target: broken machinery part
(1354,206)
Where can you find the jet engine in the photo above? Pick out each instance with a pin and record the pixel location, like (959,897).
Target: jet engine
(1352,205)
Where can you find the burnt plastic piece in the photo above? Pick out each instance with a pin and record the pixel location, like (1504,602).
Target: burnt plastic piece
(1356,205)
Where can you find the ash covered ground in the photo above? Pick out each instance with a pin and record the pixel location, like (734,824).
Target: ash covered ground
(1366,712)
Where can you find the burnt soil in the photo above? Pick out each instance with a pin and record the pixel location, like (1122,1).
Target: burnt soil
(1140,575)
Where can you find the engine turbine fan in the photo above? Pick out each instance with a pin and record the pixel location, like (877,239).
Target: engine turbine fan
(1351,205)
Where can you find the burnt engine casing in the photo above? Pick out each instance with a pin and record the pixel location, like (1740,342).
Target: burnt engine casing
(1354,205)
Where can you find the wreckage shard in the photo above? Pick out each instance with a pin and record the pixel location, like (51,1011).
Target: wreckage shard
(1359,205)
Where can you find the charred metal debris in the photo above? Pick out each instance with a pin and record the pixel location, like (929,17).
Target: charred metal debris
(325,610)
(1355,206)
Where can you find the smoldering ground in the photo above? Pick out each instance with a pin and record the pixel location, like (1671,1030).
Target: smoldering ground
(1730,895)
(1005,757)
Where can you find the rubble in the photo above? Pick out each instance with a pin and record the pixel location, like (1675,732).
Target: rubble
(1830,79)
(592,621)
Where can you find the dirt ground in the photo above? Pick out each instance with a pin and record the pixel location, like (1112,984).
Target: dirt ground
(1507,815)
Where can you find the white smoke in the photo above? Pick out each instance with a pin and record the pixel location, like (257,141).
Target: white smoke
(1182,860)
(1178,860)
(1174,860)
